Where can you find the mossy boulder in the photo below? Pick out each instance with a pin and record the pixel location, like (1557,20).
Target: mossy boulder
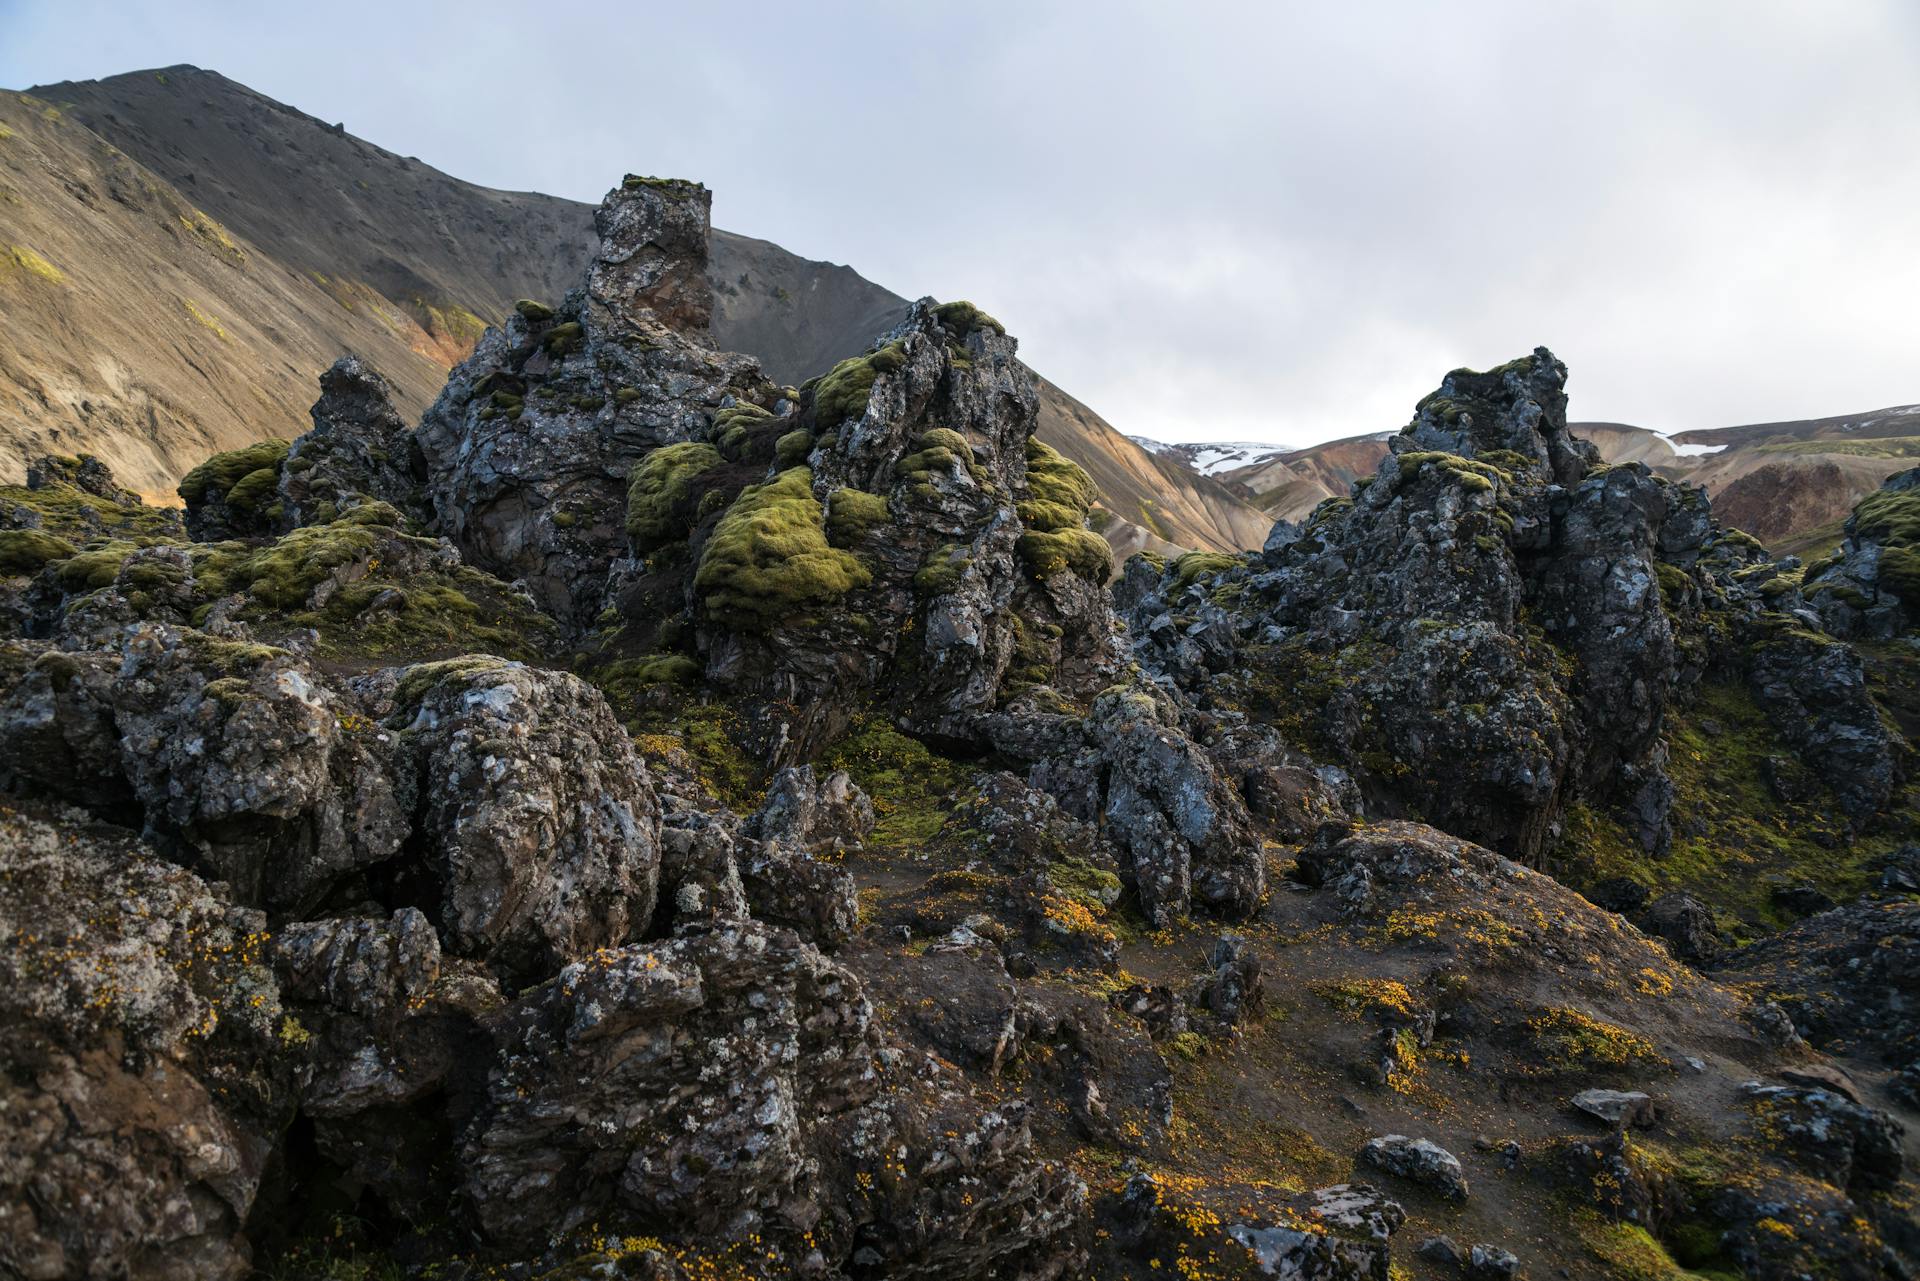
(662,491)
(25,551)
(234,494)
(217,477)
(792,449)
(961,317)
(768,560)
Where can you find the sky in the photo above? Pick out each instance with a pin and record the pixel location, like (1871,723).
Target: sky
(1272,221)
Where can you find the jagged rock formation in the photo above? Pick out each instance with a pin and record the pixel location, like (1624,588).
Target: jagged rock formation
(230,206)
(1496,625)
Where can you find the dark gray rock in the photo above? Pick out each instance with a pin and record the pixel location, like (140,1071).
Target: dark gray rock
(141,1089)
(1419,1161)
(537,817)
(358,450)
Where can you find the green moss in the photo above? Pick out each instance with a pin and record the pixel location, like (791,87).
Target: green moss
(282,576)
(843,391)
(959,318)
(421,678)
(562,339)
(24,551)
(942,570)
(659,669)
(1900,573)
(1628,1252)
(1080,550)
(67,512)
(1194,566)
(1470,474)
(1739,839)
(661,490)
(1083,882)
(221,473)
(1675,583)
(737,427)
(851,513)
(94,569)
(532,312)
(792,449)
(769,558)
(1565,1040)
(254,489)
(1059,493)
(912,787)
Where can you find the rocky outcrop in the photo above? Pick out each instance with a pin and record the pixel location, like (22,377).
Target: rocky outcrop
(1496,626)
(1814,690)
(1850,980)
(536,817)
(527,450)
(237,756)
(359,449)
(682,1081)
(1870,587)
(1177,825)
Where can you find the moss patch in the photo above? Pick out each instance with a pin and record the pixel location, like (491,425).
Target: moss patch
(24,551)
(1078,550)
(221,473)
(1194,566)
(912,788)
(843,391)
(851,513)
(662,490)
(768,559)
(960,318)
(1739,839)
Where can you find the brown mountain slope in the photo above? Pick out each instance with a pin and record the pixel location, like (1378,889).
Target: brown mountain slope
(139,329)
(404,265)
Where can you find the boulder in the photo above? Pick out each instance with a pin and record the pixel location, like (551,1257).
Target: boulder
(358,450)
(1419,1161)
(538,822)
(1620,1109)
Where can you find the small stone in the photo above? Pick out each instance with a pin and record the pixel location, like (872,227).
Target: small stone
(1618,1108)
(1441,1250)
(1491,1263)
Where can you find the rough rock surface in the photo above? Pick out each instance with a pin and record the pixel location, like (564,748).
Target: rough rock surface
(528,449)
(536,814)
(238,756)
(359,448)
(141,1091)
(1870,588)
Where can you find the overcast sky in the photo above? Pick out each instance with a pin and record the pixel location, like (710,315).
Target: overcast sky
(1268,221)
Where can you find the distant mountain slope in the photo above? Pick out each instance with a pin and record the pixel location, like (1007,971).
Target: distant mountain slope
(141,329)
(347,246)
(1871,427)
